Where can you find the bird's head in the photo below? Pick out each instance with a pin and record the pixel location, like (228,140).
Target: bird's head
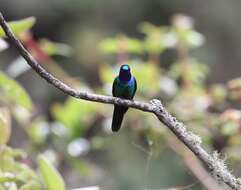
(125,73)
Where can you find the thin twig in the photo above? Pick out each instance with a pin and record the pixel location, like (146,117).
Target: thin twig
(192,141)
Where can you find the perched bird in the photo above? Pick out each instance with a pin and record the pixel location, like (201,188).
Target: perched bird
(124,86)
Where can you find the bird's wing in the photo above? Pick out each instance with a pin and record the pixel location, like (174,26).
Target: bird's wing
(114,87)
(135,87)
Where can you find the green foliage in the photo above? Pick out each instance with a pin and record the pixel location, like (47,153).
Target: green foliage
(155,38)
(121,43)
(77,115)
(229,127)
(14,172)
(190,71)
(17,174)
(5,125)
(185,34)
(38,131)
(51,177)
(19,26)
(13,93)
(146,74)
(235,83)
(218,93)
(54,48)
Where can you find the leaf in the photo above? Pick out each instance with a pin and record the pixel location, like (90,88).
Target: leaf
(183,29)
(78,115)
(7,178)
(190,71)
(31,186)
(38,131)
(108,45)
(52,179)
(88,188)
(25,173)
(107,73)
(235,83)
(146,28)
(12,92)
(230,127)
(54,48)
(218,93)
(157,38)
(5,125)
(121,43)
(19,26)
(145,75)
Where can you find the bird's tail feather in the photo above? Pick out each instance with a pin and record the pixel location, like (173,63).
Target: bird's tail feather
(119,112)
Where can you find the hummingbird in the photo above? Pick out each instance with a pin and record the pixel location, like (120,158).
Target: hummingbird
(124,86)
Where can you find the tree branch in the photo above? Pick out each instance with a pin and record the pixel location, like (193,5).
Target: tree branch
(192,141)
(193,164)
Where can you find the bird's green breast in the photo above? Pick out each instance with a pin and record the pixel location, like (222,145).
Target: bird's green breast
(123,90)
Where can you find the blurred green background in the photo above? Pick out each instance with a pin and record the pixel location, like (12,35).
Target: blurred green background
(187,53)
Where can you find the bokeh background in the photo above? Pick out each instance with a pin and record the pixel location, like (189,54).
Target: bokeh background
(195,73)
